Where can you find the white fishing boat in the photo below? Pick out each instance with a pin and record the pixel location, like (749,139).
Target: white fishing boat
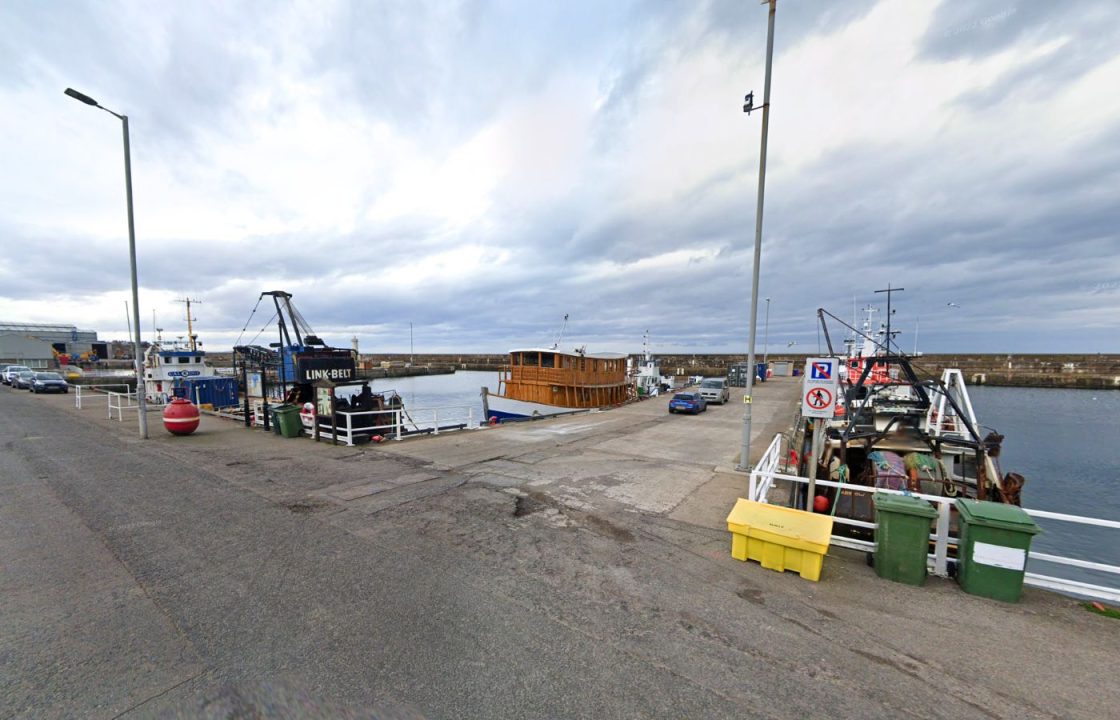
(647,378)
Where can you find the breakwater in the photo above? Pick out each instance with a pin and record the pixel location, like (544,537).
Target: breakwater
(1096,371)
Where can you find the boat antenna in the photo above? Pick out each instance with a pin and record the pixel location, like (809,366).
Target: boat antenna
(889,291)
(560,335)
(190,322)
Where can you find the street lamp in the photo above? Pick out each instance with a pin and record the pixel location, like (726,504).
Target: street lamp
(138,359)
(745,449)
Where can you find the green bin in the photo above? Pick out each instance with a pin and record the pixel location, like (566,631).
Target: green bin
(286,418)
(902,538)
(992,553)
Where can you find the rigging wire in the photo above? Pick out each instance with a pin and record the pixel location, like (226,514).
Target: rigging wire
(249,320)
(263,328)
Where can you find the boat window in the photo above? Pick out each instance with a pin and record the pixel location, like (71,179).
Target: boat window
(515,358)
(567,362)
(548,360)
(532,358)
(183,360)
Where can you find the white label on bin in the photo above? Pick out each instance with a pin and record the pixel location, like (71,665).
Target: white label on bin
(999,556)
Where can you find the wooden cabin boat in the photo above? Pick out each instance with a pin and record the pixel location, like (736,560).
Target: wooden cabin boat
(547,381)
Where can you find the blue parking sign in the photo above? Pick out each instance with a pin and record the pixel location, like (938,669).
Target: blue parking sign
(821,370)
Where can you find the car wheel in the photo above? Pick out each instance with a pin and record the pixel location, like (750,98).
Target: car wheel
(670,411)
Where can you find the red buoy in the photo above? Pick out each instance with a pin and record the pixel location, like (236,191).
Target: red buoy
(180,417)
(820,504)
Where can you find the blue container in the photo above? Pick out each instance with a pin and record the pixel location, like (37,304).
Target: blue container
(218,392)
(760,372)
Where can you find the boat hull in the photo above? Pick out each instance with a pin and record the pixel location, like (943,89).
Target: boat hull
(503,408)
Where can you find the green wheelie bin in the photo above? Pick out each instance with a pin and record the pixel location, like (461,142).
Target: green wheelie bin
(287,420)
(902,537)
(995,539)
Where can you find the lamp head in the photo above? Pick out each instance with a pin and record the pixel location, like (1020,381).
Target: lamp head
(79,96)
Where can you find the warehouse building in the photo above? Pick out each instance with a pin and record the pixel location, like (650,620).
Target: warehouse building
(39,346)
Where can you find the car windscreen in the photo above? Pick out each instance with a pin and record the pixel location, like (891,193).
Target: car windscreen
(711,384)
(684,396)
(48,376)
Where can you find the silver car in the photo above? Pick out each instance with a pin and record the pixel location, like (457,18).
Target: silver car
(714,390)
(22,379)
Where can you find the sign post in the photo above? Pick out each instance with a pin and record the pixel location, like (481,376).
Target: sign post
(818,397)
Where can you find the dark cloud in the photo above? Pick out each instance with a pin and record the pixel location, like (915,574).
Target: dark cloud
(1021,240)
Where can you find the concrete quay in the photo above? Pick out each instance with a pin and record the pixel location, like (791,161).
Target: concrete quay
(571,567)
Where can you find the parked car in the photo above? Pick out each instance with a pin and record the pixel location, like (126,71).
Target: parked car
(22,379)
(689,402)
(46,382)
(715,390)
(10,371)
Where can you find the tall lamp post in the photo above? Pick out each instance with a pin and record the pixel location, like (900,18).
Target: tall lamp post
(138,358)
(745,449)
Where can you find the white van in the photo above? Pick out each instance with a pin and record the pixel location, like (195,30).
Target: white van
(714,390)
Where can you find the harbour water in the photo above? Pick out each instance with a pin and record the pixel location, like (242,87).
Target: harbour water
(460,389)
(1064,442)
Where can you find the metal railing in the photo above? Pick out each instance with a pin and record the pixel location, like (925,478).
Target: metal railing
(120,402)
(80,389)
(765,473)
(350,429)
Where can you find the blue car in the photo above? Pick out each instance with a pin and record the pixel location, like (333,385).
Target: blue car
(689,402)
(45,382)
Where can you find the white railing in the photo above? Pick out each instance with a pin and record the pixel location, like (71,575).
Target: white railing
(763,477)
(349,428)
(120,402)
(80,389)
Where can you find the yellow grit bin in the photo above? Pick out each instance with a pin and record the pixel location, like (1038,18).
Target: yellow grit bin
(780,538)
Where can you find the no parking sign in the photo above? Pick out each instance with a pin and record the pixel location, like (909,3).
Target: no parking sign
(818,391)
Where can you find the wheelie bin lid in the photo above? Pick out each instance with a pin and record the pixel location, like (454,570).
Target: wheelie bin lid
(904,504)
(997,515)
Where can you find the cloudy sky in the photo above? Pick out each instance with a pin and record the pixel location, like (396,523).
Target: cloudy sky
(481,169)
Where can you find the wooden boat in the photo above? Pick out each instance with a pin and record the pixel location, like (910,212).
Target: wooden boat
(548,381)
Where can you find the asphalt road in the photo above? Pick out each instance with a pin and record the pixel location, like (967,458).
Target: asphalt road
(211,579)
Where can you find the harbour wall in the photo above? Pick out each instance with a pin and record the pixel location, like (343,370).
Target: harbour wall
(1097,371)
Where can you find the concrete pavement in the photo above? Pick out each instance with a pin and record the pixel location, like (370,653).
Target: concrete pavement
(575,567)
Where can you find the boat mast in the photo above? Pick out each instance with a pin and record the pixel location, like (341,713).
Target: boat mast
(190,323)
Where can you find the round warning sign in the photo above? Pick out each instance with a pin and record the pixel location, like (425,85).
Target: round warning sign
(818,398)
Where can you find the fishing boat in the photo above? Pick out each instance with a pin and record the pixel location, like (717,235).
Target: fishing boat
(548,381)
(895,426)
(647,378)
(178,368)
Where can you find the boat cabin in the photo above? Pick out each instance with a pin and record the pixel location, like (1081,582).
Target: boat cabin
(574,379)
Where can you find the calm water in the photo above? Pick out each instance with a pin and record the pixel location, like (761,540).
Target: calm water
(1065,443)
(428,391)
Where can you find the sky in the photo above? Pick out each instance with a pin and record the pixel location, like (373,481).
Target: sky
(471,172)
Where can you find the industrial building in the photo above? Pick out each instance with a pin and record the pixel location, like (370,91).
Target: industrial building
(40,346)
